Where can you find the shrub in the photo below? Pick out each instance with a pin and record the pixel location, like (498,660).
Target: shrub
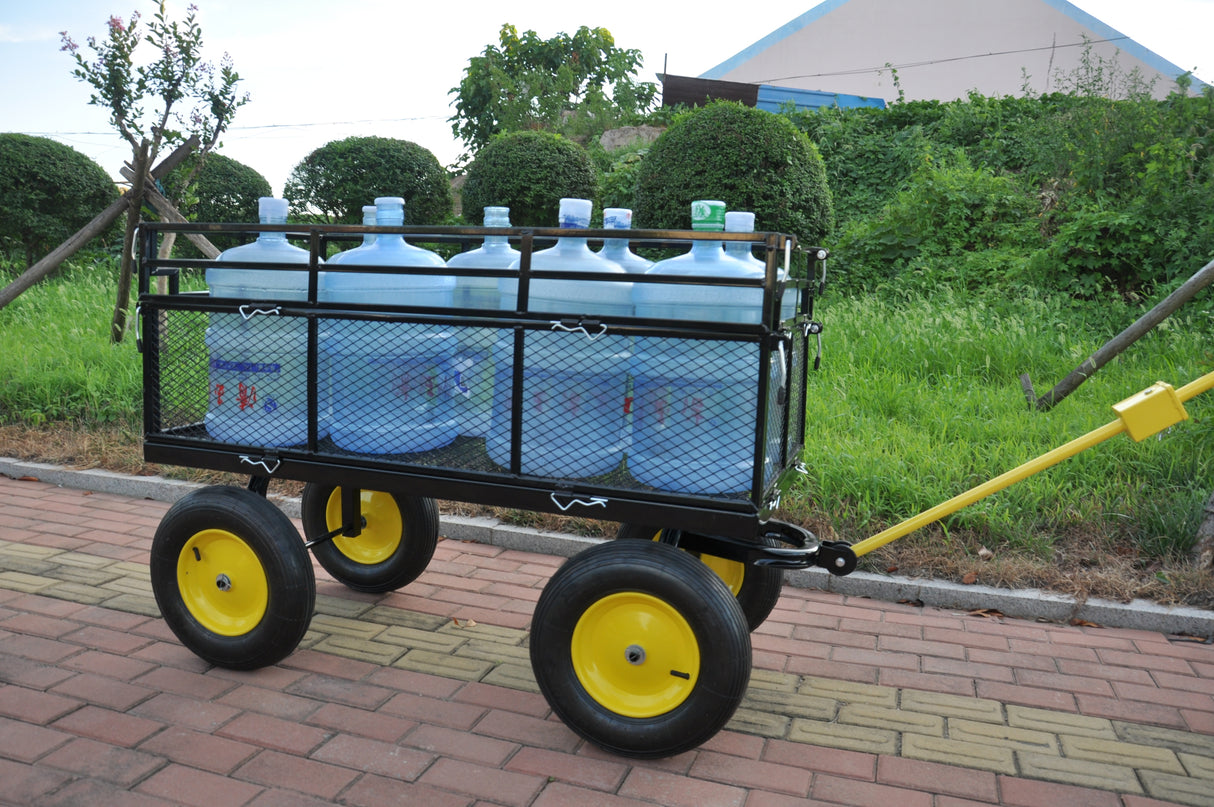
(948,211)
(226,191)
(338,178)
(48,191)
(529,172)
(749,159)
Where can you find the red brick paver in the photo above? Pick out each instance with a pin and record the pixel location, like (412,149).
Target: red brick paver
(99,703)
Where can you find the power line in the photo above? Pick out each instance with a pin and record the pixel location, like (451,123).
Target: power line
(928,62)
(265,126)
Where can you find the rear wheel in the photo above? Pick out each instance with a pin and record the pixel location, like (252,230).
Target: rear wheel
(756,587)
(640,649)
(396,538)
(232,578)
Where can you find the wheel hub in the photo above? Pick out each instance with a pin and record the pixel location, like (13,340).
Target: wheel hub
(635,654)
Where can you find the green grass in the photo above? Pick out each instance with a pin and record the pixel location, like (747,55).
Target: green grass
(56,359)
(918,400)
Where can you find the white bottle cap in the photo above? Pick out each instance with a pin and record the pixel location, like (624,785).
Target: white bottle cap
(368,214)
(270,208)
(575,213)
(389,210)
(738,222)
(497,217)
(617,218)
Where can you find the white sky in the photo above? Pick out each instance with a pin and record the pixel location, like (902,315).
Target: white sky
(321,71)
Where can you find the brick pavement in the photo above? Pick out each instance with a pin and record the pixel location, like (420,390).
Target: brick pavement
(425,696)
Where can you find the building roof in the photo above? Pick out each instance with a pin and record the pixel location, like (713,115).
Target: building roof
(940,49)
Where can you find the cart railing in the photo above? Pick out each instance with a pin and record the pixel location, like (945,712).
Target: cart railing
(210,364)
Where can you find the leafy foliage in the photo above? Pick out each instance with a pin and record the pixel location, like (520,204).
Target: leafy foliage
(749,159)
(338,178)
(48,191)
(227,191)
(1088,194)
(178,74)
(529,172)
(577,84)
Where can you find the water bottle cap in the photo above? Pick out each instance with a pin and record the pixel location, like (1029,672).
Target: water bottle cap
(708,214)
(270,208)
(738,222)
(497,217)
(368,214)
(575,213)
(617,218)
(389,210)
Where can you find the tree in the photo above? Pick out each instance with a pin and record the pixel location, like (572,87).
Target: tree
(578,84)
(528,172)
(47,192)
(146,99)
(338,178)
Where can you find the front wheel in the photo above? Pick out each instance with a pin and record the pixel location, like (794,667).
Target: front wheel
(395,542)
(640,649)
(232,579)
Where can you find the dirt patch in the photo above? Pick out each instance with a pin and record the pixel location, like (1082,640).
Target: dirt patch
(1086,562)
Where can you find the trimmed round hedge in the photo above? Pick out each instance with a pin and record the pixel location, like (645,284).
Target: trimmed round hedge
(529,172)
(48,191)
(338,178)
(750,159)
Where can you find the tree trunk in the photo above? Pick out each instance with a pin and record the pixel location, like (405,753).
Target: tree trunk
(90,231)
(118,325)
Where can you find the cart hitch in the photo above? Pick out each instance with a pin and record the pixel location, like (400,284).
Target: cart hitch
(836,557)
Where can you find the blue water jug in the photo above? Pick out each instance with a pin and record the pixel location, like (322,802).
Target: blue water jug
(737,221)
(368,238)
(618,250)
(257,358)
(391,382)
(473,365)
(574,377)
(695,400)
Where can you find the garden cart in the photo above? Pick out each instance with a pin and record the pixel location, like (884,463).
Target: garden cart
(641,646)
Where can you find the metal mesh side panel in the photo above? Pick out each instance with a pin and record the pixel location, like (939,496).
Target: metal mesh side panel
(180,399)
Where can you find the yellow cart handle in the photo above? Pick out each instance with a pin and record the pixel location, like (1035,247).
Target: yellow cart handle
(1143,415)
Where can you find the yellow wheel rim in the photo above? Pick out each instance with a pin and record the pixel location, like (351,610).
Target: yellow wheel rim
(380,536)
(222,582)
(730,571)
(635,655)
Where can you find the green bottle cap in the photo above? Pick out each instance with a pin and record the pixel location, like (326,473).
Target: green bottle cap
(708,215)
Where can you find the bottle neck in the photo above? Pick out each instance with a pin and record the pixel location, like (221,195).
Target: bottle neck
(272,237)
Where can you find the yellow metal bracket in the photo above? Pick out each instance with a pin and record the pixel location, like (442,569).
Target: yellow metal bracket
(1141,416)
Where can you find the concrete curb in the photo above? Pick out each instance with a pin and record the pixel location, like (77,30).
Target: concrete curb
(1027,604)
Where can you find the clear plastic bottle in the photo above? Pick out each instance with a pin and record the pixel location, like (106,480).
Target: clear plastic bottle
(258,363)
(368,238)
(695,411)
(618,250)
(737,221)
(574,381)
(474,360)
(391,381)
